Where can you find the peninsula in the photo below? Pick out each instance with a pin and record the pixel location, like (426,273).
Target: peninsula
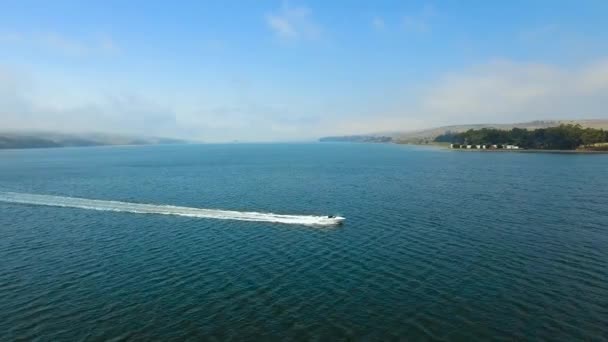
(567,135)
(562,137)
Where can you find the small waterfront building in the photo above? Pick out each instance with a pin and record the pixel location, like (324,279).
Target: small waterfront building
(469,147)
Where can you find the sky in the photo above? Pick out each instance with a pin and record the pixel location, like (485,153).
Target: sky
(267,70)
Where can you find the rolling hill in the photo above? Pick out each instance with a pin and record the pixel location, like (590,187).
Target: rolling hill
(428,135)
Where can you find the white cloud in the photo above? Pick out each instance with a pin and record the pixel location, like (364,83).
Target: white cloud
(378,24)
(539,33)
(293,23)
(420,22)
(10,37)
(108,45)
(62,44)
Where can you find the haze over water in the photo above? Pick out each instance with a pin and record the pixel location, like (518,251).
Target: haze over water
(437,244)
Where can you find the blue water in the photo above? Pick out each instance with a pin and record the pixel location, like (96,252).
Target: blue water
(437,245)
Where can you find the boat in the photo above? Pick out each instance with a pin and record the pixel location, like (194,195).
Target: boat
(333,219)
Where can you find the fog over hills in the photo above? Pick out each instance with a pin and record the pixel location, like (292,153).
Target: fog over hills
(33,139)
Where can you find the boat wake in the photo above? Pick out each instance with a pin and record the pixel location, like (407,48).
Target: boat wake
(140,208)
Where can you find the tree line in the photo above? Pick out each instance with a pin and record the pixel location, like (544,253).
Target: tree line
(563,137)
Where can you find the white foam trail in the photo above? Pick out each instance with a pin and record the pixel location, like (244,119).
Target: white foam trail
(139,208)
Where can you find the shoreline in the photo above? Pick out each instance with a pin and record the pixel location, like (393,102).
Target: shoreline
(447,147)
(528,151)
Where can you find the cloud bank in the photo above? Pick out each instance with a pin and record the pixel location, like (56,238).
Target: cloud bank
(499,91)
(100,44)
(506,91)
(27,104)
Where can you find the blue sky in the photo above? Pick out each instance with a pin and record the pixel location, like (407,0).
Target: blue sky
(297,70)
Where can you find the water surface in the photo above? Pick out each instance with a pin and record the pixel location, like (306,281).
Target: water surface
(437,244)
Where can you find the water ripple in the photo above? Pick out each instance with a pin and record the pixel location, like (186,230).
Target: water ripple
(437,246)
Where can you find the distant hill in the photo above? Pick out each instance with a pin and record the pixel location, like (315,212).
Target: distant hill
(18,140)
(428,135)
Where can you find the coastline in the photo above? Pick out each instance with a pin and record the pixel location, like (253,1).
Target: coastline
(529,151)
(446,146)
